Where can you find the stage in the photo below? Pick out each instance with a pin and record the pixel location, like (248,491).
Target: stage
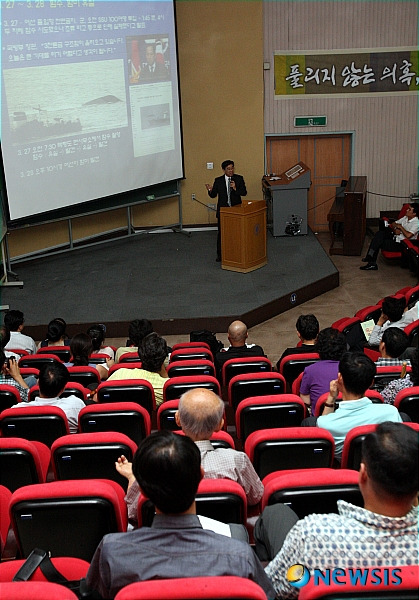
(171,279)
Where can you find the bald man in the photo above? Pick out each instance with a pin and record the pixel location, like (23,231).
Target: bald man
(237,336)
(199,415)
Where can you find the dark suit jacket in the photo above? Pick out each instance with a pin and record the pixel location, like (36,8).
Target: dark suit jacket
(219,189)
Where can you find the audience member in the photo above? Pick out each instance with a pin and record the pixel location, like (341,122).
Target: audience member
(393,344)
(384,533)
(152,353)
(199,415)
(391,390)
(56,334)
(97,333)
(14,322)
(52,381)
(331,345)
(81,348)
(237,336)
(355,376)
(390,237)
(168,469)
(137,331)
(393,314)
(4,340)
(10,375)
(307,330)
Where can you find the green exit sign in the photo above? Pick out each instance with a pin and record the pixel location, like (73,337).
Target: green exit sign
(310,121)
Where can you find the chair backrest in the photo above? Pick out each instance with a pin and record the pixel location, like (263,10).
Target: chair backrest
(138,391)
(191,367)
(84,375)
(240,366)
(71,568)
(369,312)
(91,456)
(5,497)
(194,353)
(129,357)
(220,499)
(373,395)
(352,446)
(191,588)
(384,375)
(19,351)
(37,360)
(72,388)
(294,364)
(125,417)
(132,364)
(98,358)
(254,384)
(375,585)
(40,423)
(166,415)
(219,439)
(345,325)
(176,386)
(309,491)
(35,590)
(63,352)
(412,332)
(412,295)
(22,462)
(180,345)
(9,395)
(407,401)
(68,518)
(296,384)
(289,448)
(264,412)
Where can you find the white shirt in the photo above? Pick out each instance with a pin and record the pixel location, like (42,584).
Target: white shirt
(411,225)
(21,341)
(70,405)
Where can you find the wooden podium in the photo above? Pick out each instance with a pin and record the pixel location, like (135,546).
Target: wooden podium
(243,236)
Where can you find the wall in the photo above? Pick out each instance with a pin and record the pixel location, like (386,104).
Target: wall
(220,47)
(385,127)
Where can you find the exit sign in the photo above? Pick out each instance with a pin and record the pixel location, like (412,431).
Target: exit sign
(310,121)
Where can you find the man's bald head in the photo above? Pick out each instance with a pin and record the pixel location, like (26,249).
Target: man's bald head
(237,333)
(200,413)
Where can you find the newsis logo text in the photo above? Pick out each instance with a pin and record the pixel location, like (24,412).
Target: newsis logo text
(298,576)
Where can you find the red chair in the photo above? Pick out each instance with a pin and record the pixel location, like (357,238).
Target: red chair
(219,439)
(289,448)
(191,367)
(84,375)
(369,312)
(384,375)
(397,254)
(254,384)
(191,588)
(39,423)
(309,491)
(128,358)
(71,568)
(294,364)
(180,345)
(97,358)
(264,412)
(5,497)
(37,360)
(412,332)
(139,391)
(240,366)
(35,590)
(128,418)
(9,396)
(137,364)
(192,353)
(63,352)
(373,395)
(91,456)
(176,386)
(345,325)
(295,388)
(220,499)
(68,517)
(407,588)
(407,401)
(18,351)
(22,462)
(166,415)
(352,446)
(412,295)
(72,388)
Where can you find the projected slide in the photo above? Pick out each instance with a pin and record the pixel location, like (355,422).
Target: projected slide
(90,104)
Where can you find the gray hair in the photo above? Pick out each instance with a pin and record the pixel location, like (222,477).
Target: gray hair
(200,423)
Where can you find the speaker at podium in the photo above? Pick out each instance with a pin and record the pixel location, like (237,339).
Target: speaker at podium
(286,199)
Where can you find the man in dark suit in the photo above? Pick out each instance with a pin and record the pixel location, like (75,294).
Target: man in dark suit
(153,69)
(229,188)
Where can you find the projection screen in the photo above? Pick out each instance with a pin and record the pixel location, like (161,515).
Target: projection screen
(90,101)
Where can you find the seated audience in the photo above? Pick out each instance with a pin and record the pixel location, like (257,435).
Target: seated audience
(393,344)
(307,330)
(97,333)
(393,314)
(199,415)
(81,348)
(52,381)
(56,334)
(331,345)
(14,322)
(355,376)
(10,375)
(137,330)
(391,390)
(152,353)
(237,336)
(384,533)
(168,469)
